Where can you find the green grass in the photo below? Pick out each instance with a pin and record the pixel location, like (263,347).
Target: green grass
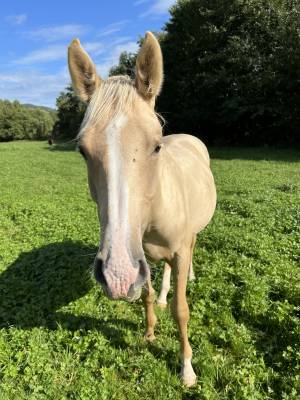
(61,338)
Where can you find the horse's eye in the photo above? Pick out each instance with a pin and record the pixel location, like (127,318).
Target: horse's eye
(157,148)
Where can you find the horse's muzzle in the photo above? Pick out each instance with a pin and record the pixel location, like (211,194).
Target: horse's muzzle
(127,284)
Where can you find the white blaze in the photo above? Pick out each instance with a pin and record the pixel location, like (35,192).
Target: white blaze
(118,225)
(117,188)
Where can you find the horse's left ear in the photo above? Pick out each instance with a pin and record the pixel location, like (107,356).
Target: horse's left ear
(149,69)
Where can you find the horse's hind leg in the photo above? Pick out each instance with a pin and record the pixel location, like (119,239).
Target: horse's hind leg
(180,309)
(165,287)
(191,272)
(191,269)
(148,299)
(166,282)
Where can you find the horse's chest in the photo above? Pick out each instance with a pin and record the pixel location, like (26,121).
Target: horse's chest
(156,247)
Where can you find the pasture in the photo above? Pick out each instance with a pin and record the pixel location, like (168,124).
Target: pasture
(61,338)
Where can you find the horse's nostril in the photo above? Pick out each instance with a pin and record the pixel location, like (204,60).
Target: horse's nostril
(98,271)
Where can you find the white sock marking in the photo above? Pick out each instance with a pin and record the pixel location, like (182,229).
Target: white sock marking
(165,287)
(187,373)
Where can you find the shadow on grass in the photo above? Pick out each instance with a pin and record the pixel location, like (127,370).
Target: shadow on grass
(219,153)
(251,154)
(35,287)
(43,280)
(68,145)
(170,357)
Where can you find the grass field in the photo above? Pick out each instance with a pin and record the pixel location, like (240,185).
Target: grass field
(61,338)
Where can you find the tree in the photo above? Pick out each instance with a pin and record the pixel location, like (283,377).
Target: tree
(232,70)
(18,121)
(70,113)
(126,65)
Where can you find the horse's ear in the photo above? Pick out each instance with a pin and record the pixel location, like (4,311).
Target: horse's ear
(149,68)
(83,71)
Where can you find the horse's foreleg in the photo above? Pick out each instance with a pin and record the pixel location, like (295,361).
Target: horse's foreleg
(180,311)
(148,299)
(165,287)
(191,269)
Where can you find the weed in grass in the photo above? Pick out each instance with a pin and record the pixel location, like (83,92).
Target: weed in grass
(60,338)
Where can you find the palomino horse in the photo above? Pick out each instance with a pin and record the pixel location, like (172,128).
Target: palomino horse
(154,193)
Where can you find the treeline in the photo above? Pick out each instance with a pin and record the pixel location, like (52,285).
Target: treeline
(70,112)
(19,121)
(232,72)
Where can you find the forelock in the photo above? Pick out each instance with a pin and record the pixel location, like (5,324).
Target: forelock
(116,95)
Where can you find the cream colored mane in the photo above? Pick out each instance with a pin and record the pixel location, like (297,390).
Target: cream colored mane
(114,96)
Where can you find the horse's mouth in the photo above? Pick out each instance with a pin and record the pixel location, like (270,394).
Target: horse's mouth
(133,295)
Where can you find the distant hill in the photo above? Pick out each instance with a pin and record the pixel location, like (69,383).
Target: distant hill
(40,107)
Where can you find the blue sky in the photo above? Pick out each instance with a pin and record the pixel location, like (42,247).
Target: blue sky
(34,36)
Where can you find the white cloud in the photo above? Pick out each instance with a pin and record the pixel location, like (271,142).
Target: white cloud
(17,19)
(112,28)
(94,48)
(57,52)
(159,7)
(56,33)
(138,2)
(113,57)
(29,85)
(119,40)
(33,87)
(47,54)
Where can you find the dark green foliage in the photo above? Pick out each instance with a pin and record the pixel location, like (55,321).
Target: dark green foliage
(70,113)
(29,105)
(126,65)
(19,121)
(232,70)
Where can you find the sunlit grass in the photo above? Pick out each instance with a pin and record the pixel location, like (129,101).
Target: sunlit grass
(62,339)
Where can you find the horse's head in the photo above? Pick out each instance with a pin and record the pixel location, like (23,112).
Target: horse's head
(120,139)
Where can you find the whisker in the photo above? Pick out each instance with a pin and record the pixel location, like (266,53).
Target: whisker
(88,254)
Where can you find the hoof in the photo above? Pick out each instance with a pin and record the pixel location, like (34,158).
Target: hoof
(149,337)
(189,381)
(188,376)
(161,305)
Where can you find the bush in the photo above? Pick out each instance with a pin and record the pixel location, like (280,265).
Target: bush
(22,122)
(70,112)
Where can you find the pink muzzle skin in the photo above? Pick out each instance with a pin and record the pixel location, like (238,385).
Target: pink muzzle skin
(119,272)
(120,280)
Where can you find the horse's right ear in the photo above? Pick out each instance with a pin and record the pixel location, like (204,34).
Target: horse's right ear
(149,69)
(83,71)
